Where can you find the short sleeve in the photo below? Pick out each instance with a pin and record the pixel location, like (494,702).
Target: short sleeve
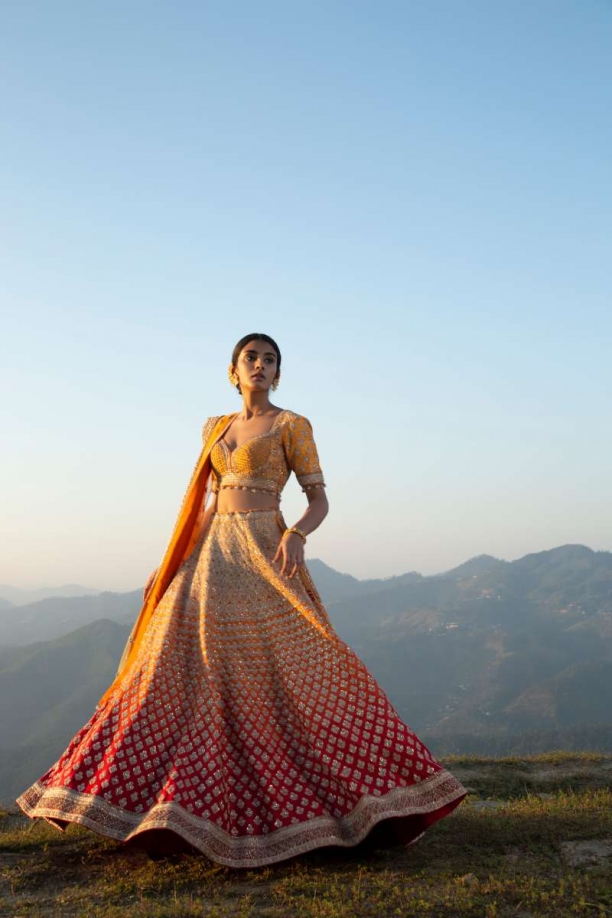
(208,428)
(302,453)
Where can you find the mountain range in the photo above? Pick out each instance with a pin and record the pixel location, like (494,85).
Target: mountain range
(20,596)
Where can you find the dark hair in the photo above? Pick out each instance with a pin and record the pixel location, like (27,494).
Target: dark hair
(256,336)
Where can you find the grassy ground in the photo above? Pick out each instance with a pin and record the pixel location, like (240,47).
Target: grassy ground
(504,858)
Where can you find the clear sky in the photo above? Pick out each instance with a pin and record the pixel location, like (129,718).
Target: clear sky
(413,198)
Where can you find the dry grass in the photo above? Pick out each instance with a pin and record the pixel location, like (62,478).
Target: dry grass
(489,863)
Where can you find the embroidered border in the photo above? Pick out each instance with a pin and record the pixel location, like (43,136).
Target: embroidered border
(97,814)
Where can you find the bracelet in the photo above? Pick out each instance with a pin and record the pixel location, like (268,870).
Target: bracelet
(301,534)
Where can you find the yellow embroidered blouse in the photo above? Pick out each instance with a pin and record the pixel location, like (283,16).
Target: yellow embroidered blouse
(265,462)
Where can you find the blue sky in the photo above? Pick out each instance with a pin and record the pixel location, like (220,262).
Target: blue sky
(414,199)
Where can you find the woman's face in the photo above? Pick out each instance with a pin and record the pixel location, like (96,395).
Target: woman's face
(257,365)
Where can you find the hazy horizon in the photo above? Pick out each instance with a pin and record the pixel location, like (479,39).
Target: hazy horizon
(58,586)
(414,200)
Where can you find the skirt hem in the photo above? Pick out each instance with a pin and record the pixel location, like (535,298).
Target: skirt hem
(413,809)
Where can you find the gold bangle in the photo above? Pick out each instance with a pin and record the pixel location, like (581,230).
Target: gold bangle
(301,534)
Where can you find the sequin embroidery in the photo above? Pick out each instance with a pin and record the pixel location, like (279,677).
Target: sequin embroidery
(265,462)
(246,726)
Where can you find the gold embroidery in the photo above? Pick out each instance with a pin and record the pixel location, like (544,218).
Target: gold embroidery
(247,725)
(265,462)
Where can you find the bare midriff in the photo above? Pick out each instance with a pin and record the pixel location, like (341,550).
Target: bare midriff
(232,499)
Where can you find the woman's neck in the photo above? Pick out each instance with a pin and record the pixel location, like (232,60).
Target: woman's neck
(255,403)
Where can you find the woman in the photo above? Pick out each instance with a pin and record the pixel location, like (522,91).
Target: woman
(239,723)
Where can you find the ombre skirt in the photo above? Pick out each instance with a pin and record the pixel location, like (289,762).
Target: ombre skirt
(247,728)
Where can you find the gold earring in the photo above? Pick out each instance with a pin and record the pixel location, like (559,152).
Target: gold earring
(232,376)
(275,383)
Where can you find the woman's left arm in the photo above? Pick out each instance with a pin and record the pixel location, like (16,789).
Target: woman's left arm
(291,546)
(303,459)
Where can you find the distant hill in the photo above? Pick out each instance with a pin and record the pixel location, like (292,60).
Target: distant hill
(335,587)
(19,596)
(51,618)
(47,692)
(477,565)
(43,683)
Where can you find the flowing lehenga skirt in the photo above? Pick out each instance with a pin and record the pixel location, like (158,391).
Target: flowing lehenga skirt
(247,726)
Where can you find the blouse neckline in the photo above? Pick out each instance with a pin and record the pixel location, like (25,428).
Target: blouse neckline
(238,446)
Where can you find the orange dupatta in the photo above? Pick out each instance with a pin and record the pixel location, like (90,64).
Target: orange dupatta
(182,542)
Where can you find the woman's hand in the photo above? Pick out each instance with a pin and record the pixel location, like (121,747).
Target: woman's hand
(149,584)
(291,549)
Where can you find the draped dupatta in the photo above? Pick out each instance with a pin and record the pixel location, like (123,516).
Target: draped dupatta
(184,537)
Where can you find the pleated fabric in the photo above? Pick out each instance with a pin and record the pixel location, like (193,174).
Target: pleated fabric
(247,727)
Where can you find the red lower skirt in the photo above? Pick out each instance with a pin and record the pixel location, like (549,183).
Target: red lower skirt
(246,728)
